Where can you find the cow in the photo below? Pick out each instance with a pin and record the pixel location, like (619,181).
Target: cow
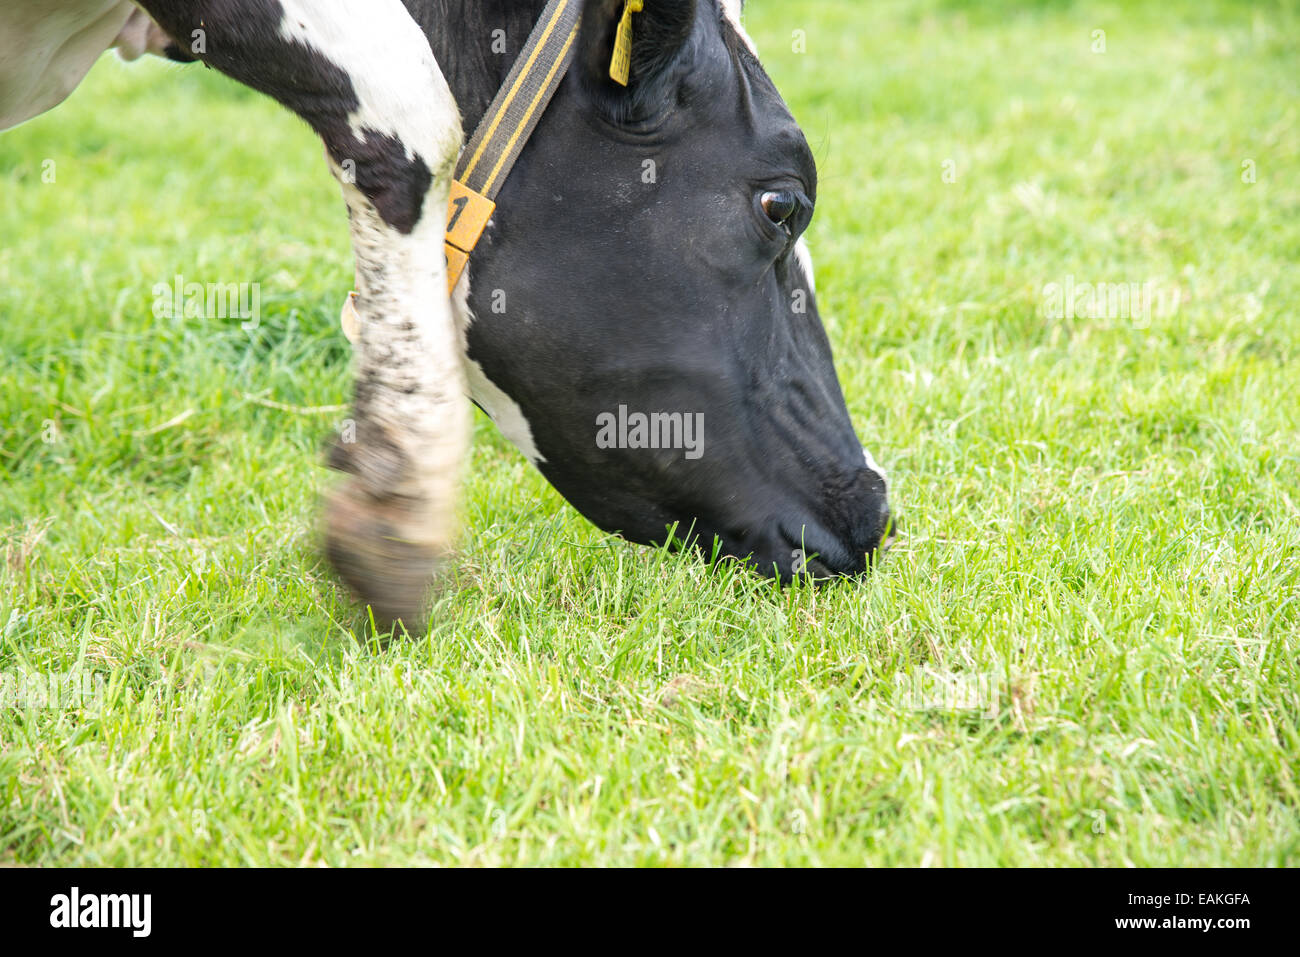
(639,315)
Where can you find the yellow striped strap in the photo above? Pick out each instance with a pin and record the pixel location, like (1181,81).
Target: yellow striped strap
(505,128)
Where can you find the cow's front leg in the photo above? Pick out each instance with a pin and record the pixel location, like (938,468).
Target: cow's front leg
(393,517)
(364,77)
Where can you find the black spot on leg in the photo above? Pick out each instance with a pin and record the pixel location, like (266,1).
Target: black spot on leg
(385,175)
(370,273)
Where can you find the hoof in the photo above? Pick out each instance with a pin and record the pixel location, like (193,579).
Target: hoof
(382,550)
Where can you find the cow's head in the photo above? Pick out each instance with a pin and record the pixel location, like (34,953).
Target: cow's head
(647,259)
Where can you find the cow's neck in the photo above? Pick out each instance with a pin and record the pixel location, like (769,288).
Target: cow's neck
(462,34)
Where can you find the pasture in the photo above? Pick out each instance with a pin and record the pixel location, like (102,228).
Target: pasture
(1084,649)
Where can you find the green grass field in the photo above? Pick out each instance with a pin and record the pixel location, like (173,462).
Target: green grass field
(1084,650)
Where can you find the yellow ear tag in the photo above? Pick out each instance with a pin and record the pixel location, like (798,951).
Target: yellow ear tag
(620,68)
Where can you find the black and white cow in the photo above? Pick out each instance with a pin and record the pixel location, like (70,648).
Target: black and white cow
(680,301)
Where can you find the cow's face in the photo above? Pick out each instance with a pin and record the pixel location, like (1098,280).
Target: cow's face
(644,285)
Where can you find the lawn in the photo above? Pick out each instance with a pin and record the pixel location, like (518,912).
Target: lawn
(1085,648)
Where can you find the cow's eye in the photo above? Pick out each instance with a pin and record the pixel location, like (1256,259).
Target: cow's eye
(779,206)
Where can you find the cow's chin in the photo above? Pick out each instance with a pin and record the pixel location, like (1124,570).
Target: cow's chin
(779,535)
(784,550)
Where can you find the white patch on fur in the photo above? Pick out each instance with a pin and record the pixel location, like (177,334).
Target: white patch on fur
(804,255)
(500,408)
(389,61)
(732,9)
(871,464)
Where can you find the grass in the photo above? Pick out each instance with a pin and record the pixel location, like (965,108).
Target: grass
(1085,650)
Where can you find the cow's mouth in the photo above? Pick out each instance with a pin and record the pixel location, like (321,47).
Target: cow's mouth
(824,556)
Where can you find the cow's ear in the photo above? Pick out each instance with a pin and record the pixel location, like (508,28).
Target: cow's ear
(659,32)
